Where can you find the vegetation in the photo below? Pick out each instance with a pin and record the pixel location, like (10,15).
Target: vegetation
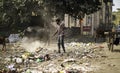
(17,13)
(75,8)
(116,17)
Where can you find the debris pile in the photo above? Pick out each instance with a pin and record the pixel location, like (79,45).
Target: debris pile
(76,60)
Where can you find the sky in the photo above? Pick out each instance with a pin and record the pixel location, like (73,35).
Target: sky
(116,4)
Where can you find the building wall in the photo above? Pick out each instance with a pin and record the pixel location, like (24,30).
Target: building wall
(103,16)
(70,21)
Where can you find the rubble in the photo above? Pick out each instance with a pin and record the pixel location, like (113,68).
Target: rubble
(14,38)
(43,60)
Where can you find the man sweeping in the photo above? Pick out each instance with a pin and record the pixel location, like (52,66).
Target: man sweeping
(60,35)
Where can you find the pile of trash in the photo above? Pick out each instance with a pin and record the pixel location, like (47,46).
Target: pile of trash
(67,66)
(48,61)
(82,50)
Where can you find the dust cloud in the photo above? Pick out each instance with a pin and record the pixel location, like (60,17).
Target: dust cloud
(30,44)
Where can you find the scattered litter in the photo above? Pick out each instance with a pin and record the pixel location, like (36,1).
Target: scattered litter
(43,60)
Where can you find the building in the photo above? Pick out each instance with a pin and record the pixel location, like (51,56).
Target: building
(101,18)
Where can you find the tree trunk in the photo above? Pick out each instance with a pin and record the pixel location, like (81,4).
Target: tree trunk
(75,22)
(68,21)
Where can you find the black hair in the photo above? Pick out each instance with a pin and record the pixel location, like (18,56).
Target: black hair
(58,20)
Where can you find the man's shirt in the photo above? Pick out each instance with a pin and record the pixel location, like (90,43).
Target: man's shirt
(60,29)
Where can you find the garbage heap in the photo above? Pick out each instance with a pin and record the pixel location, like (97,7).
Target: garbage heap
(77,60)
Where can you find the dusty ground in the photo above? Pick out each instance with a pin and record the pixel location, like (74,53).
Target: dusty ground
(107,63)
(110,62)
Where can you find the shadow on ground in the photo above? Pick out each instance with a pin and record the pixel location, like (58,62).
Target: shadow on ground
(85,39)
(116,50)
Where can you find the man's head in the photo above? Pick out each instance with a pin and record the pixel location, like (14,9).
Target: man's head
(58,21)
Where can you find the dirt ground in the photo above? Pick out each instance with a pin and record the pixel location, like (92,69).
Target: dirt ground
(111,63)
(108,63)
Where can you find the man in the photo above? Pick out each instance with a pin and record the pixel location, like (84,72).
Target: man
(60,32)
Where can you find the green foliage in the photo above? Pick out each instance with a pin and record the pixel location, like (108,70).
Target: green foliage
(113,17)
(75,8)
(16,12)
(116,17)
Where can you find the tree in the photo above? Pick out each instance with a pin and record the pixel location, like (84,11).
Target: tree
(75,8)
(17,12)
(116,17)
